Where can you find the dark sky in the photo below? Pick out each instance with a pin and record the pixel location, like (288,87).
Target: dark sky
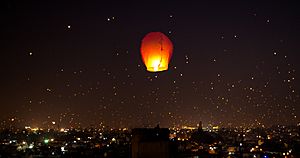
(235,63)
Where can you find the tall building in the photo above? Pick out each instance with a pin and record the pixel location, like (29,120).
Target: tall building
(200,126)
(150,143)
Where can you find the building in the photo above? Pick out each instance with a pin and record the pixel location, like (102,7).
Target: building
(150,142)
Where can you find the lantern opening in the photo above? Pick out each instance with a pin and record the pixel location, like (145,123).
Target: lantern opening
(156,65)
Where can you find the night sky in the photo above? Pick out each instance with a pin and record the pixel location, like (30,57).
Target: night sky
(78,63)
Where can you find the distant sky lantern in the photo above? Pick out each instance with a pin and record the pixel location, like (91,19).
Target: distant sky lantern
(156,51)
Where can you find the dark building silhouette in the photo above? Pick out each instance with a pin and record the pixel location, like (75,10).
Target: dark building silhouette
(150,143)
(200,126)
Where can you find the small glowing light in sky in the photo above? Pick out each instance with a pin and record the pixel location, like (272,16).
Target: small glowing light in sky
(69,26)
(30,53)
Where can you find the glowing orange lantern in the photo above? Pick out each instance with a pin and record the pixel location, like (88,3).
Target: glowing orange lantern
(156,51)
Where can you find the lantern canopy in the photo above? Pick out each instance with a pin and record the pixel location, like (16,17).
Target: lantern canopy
(156,51)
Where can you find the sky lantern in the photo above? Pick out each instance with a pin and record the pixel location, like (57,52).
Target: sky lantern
(156,51)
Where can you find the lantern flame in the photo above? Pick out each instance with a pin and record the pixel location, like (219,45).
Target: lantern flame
(155,65)
(156,50)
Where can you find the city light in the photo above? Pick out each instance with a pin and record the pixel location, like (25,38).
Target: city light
(46,141)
